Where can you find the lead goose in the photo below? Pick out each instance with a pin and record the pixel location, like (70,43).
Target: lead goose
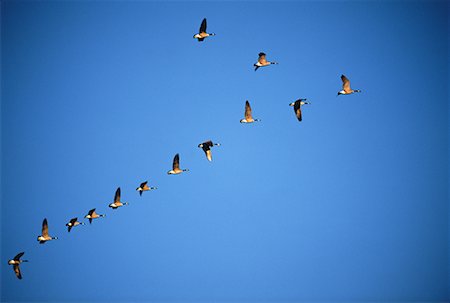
(346,89)
(262,61)
(202,34)
(45,236)
(15,262)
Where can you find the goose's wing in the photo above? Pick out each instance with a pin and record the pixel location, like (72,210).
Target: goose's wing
(248,111)
(345,84)
(262,58)
(143,184)
(45,228)
(208,155)
(203,26)
(176,162)
(19,255)
(298,110)
(17,271)
(117,195)
(91,211)
(73,220)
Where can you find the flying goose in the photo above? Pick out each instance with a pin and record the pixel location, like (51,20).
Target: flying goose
(15,263)
(346,90)
(176,166)
(116,204)
(72,223)
(262,61)
(144,187)
(93,215)
(248,114)
(202,34)
(45,237)
(206,146)
(297,107)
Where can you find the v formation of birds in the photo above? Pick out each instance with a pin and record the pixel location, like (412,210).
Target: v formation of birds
(205,146)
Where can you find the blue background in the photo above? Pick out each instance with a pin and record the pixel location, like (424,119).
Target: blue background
(349,204)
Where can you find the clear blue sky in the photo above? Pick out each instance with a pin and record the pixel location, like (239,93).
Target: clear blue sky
(349,204)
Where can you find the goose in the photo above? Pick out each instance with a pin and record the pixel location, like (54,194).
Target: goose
(45,237)
(15,263)
(93,215)
(202,34)
(297,107)
(262,61)
(144,187)
(346,90)
(72,223)
(176,166)
(248,114)
(116,204)
(206,146)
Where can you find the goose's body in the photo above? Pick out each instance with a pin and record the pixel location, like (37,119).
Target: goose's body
(15,263)
(117,203)
(346,89)
(72,223)
(176,166)
(206,146)
(202,34)
(298,107)
(144,187)
(262,61)
(248,118)
(45,236)
(93,215)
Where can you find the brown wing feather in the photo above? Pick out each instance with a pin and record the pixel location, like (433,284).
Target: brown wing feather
(262,58)
(117,195)
(91,211)
(298,113)
(45,228)
(298,110)
(17,271)
(345,84)
(19,255)
(248,111)
(176,162)
(208,155)
(203,27)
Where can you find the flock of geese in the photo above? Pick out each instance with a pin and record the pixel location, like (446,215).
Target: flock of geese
(205,146)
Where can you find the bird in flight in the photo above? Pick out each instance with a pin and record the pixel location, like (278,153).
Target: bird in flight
(202,34)
(72,223)
(144,187)
(117,203)
(262,61)
(45,236)
(176,166)
(15,262)
(298,107)
(248,114)
(206,146)
(346,89)
(93,215)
